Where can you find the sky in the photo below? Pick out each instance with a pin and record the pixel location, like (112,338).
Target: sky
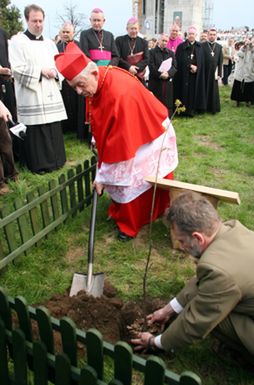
(226,13)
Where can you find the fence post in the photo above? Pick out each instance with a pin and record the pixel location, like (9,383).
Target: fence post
(63,370)
(22,223)
(4,372)
(54,200)
(5,311)
(10,231)
(40,365)
(80,187)
(45,328)
(73,203)
(69,339)
(154,371)
(189,378)
(94,345)
(23,317)
(63,194)
(44,207)
(123,363)
(19,357)
(34,214)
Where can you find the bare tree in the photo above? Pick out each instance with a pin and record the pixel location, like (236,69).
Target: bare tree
(79,20)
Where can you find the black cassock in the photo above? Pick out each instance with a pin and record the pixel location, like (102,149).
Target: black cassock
(74,104)
(189,87)
(161,88)
(213,67)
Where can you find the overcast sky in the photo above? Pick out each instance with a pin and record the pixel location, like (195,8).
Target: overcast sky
(226,13)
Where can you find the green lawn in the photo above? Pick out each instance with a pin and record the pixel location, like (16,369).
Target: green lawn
(214,150)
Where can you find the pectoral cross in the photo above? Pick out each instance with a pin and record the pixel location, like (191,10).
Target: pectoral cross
(212,53)
(192,56)
(101,47)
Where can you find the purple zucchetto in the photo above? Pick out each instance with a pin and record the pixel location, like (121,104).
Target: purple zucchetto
(97,10)
(132,20)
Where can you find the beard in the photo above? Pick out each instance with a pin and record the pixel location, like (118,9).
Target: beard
(194,249)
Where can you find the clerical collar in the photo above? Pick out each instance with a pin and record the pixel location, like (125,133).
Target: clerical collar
(212,42)
(33,37)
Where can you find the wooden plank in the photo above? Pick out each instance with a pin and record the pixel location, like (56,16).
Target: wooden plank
(10,231)
(224,195)
(69,339)
(63,194)
(123,363)
(189,378)
(63,370)
(80,187)
(88,376)
(45,328)
(19,357)
(154,371)
(94,346)
(40,366)
(34,215)
(23,224)
(4,372)
(44,207)
(54,200)
(73,203)
(23,317)
(5,310)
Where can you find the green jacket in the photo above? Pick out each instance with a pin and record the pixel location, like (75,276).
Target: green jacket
(223,286)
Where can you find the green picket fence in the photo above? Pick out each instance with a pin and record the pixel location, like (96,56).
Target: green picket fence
(28,353)
(26,223)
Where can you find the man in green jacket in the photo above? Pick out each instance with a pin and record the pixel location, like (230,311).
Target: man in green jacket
(220,298)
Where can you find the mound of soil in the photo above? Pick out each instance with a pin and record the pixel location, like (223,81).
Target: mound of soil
(115,319)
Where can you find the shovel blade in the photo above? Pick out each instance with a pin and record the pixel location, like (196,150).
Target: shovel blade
(79,282)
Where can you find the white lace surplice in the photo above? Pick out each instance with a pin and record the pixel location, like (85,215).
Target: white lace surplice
(124,181)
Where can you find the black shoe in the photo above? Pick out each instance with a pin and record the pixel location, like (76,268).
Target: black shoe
(123,237)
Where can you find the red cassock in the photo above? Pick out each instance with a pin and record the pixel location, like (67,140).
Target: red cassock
(125,116)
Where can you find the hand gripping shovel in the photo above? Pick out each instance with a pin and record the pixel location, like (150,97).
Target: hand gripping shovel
(92,283)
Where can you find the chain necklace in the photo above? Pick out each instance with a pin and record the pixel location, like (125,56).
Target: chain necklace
(99,37)
(132,45)
(212,48)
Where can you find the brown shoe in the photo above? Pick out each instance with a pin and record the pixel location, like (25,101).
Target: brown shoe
(4,189)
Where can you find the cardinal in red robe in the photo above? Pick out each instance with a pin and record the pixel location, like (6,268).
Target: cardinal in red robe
(134,138)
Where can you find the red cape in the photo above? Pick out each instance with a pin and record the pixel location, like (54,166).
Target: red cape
(124,115)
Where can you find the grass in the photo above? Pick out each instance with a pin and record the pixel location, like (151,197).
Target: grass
(214,150)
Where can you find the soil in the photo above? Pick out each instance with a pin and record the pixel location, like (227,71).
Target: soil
(115,319)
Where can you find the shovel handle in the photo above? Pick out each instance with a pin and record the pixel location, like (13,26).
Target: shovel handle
(92,227)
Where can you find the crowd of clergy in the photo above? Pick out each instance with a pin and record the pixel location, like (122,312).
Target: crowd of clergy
(173,66)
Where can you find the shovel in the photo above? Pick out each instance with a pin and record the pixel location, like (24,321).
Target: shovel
(92,283)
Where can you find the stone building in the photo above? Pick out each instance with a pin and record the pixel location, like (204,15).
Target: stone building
(156,16)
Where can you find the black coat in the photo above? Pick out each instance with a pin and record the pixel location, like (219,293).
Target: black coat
(123,46)
(89,41)
(213,58)
(161,88)
(74,104)
(6,86)
(190,88)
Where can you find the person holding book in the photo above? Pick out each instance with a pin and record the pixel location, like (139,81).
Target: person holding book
(133,50)
(162,67)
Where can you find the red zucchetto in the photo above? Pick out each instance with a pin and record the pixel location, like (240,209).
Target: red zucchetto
(71,62)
